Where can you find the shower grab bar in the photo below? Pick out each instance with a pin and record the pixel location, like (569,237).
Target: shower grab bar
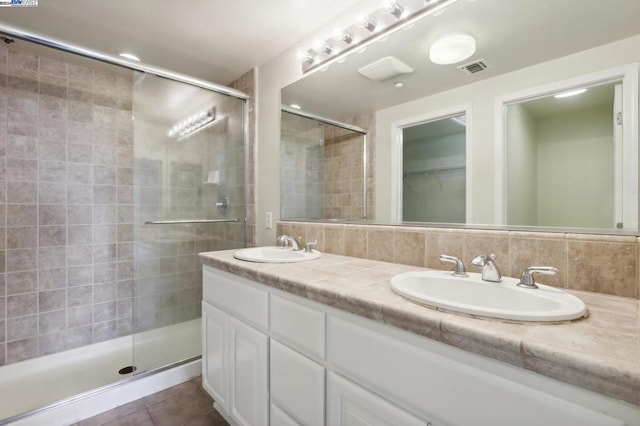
(185,221)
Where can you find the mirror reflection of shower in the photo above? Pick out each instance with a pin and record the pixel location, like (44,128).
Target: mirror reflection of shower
(322,169)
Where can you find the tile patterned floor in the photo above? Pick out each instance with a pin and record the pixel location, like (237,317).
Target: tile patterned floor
(186,404)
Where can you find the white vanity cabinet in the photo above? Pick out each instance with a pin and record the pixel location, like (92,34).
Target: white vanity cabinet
(235,349)
(270,357)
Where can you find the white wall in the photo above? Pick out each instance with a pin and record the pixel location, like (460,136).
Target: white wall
(576,149)
(482,97)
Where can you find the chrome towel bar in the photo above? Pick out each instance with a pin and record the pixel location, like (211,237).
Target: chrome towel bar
(185,221)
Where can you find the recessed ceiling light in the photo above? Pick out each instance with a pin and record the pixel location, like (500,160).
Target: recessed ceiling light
(570,93)
(398,85)
(452,48)
(130,56)
(295,106)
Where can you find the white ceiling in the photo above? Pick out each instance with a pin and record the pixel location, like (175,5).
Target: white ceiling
(510,34)
(216,40)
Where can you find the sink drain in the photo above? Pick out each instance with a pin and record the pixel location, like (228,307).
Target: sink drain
(127,370)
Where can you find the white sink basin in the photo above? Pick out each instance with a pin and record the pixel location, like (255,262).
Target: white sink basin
(272,254)
(504,300)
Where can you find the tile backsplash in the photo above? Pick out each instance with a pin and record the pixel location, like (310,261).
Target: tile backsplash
(597,263)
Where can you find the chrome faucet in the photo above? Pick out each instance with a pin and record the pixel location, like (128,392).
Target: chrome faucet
(307,246)
(526,279)
(288,241)
(490,271)
(459,272)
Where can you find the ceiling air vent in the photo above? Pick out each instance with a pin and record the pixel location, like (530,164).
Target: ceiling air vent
(474,67)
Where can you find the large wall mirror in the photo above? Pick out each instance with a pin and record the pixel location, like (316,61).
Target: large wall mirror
(520,45)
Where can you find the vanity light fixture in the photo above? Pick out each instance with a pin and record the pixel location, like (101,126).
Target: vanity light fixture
(353,39)
(193,124)
(395,9)
(306,57)
(343,36)
(327,49)
(368,23)
(130,56)
(570,93)
(452,48)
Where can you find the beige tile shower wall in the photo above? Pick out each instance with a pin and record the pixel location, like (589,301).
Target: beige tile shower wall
(342,175)
(597,263)
(343,171)
(65,204)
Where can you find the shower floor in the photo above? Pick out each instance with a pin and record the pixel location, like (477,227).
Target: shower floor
(38,382)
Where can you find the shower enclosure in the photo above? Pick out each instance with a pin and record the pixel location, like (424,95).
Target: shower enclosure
(112,181)
(325,169)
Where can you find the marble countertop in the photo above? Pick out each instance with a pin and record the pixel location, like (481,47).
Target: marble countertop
(600,353)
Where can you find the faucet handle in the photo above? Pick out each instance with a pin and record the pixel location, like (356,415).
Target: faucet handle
(482,259)
(286,241)
(526,279)
(459,272)
(307,246)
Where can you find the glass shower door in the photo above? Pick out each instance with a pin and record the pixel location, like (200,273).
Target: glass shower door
(188,197)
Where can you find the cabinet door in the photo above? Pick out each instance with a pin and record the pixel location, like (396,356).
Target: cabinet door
(249,397)
(280,418)
(215,350)
(297,385)
(350,405)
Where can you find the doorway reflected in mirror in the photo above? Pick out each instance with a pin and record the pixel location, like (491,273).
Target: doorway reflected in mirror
(434,171)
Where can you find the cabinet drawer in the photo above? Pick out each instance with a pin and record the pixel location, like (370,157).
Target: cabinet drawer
(349,405)
(297,383)
(299,326)
(236,295)
(435,384)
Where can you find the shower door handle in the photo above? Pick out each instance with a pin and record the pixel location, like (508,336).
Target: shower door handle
(187,221)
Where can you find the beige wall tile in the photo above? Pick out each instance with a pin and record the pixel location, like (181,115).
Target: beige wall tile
(603,265)
(380,244)
(539,249)
(334,239)
(409,247)
(298,231)
(596,263)
(355,241)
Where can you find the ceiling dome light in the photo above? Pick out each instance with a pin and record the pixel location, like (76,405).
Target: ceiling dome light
(452,48)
